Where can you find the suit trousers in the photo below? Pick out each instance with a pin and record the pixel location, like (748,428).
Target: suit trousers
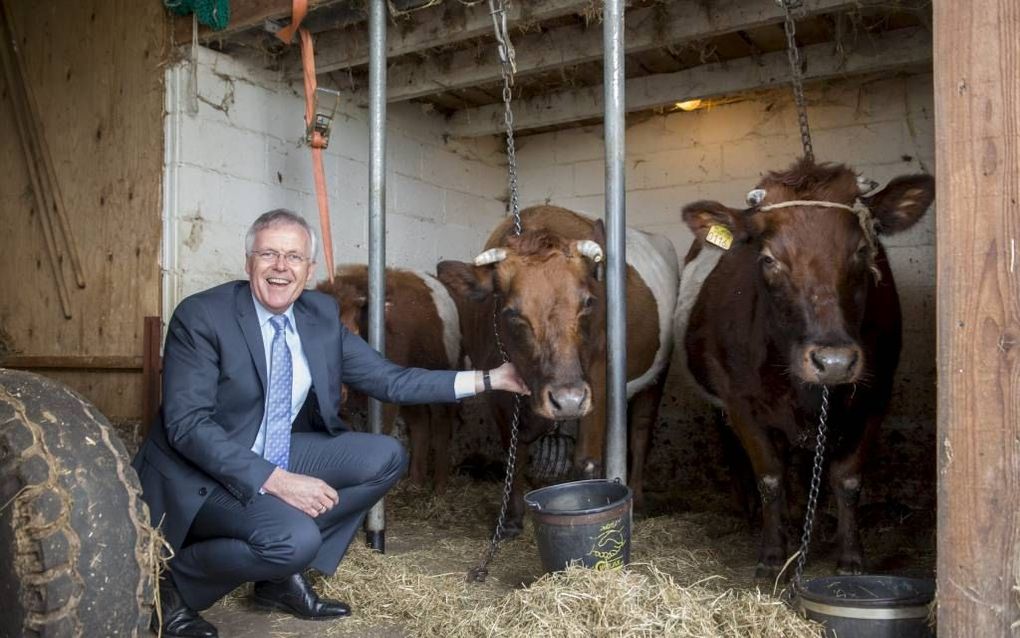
(230,543)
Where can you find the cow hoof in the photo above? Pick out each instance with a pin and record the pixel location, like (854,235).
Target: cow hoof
(765,572)
(850,566)
(512,529)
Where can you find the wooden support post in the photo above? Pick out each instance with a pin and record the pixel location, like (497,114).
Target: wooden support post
(152,367)
(977,144)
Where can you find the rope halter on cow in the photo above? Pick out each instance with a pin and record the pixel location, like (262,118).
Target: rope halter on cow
(859,209)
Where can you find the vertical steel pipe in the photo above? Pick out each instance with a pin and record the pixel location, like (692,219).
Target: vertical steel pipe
(375,523)
(616,221)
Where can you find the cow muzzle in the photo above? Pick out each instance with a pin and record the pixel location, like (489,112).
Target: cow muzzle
(567,401)
(831,365)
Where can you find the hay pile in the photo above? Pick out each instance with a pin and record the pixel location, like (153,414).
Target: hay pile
(669,589)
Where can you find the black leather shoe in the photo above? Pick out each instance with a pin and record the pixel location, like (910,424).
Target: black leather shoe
(179,620)
(295,596)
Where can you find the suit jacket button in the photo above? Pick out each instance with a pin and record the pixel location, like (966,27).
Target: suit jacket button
(202,491)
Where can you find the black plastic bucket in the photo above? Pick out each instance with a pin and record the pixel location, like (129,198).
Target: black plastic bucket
(869,606)
(582,522)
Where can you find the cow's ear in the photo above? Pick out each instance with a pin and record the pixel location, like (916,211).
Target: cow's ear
(466,281)
(701,216)
(902,202)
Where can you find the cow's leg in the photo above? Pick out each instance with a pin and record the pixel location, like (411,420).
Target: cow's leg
(742,481)
(416,419)
(845,481)
(768,468)
(642,413)
(591,429)
(389,417)
(441,420)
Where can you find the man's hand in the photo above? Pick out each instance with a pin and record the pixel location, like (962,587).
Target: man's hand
(505,377)
(306,493)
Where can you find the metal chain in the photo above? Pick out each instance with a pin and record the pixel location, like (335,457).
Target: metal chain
(796,76)
(507,69)
(816,482)
(479,573)
(508,66)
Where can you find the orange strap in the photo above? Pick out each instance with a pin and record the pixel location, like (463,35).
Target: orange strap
(316,140)
(298,12)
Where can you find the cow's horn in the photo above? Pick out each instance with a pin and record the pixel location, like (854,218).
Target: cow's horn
(490,256)
(589,249)
(755,197)
(865,185)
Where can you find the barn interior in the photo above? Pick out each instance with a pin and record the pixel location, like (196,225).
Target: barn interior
(169,137)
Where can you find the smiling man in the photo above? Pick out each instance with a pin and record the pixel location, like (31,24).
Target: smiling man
(248,467)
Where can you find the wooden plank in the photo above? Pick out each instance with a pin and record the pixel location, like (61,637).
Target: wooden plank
(243,16)
(100,97)
(72,362)
(674,23)
(977,142)
(887,52)
(433,27)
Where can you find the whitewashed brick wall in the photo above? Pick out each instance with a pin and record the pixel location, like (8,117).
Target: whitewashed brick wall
(240,155)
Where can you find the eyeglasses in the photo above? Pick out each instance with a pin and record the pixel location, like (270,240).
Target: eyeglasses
(270,257)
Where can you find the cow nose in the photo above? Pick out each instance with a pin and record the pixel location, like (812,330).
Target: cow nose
(834,365)
(568,402)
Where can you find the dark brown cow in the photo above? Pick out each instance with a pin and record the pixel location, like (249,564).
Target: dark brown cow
(541,289)
(422,331)
(803,298)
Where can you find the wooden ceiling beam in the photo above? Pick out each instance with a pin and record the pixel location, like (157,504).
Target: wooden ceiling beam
(673,24)
(244,15)
(890,51)
(430,28)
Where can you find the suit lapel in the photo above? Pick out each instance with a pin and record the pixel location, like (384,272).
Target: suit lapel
(249,323)
(308,328)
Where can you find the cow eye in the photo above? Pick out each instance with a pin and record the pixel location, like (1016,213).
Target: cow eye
(767,260)
(587,304)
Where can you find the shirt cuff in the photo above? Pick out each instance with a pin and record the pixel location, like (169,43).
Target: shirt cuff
(464,384)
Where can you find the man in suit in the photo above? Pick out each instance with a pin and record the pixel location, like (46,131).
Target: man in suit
(248,467)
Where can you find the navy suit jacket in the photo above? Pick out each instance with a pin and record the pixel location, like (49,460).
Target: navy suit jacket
(214,384)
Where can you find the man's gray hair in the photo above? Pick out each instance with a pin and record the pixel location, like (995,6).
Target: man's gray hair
(274,218)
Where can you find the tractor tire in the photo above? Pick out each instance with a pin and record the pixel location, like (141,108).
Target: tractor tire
(76,548)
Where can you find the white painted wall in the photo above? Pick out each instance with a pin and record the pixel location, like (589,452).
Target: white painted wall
(240,154)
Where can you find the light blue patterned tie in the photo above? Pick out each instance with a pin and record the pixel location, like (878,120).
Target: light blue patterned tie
(278,404)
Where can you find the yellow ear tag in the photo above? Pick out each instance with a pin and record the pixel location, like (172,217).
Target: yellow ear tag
(720,236)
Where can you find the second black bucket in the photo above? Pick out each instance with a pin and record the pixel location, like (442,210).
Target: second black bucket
(866,606)
(582,522)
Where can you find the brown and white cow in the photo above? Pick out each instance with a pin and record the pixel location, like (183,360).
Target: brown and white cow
(542,291)
(422,331)
(803,298)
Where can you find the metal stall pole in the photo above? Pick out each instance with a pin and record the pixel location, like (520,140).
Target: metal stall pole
(375,523)
(616,220)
